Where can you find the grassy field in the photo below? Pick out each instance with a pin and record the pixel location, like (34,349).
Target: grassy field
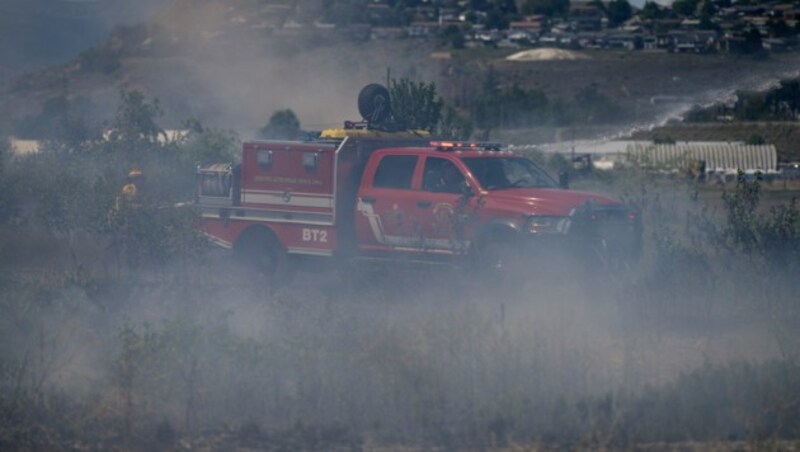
(694,346)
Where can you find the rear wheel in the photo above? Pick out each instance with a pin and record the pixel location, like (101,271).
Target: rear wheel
(260,250)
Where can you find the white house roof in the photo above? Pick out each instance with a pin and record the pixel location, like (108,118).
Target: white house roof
(718,156)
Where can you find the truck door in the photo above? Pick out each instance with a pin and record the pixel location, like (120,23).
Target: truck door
(386,206)
(442,206)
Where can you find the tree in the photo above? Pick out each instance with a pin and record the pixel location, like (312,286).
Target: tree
(784,102)
(416,105)
(618,12)
(595,107)
(546,7)
(749,106)
(685,7)
(779,28)
(454,126)
(755,139)
(496,20)
(136,120)
(454,37)
(506,6)
(206,145)
(707,12)
(59,119)
(282,125)
(752,41)
(652,11)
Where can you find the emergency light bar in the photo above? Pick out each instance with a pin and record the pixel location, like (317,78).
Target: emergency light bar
(464,146)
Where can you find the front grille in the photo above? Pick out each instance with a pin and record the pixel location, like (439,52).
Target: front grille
(615,230)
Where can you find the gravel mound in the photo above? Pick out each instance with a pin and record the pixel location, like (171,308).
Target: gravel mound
(546,54)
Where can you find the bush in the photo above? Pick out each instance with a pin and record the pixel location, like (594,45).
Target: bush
(755,140)
(282,125)
(415,105)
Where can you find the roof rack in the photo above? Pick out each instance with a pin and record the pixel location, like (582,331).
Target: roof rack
(465,146)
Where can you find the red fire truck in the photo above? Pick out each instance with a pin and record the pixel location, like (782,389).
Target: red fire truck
(361,193)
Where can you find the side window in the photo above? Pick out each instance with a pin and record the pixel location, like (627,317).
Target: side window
(442,176)
(516,172)
(264,159)
(521,174)
(395,171)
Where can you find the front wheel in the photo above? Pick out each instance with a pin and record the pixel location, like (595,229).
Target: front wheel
(498,257)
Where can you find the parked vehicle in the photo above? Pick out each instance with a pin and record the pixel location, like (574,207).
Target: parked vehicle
(359,193)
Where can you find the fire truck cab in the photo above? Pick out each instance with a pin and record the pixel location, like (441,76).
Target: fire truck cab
(367,194)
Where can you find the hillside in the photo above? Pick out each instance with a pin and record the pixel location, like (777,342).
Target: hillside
(226,63)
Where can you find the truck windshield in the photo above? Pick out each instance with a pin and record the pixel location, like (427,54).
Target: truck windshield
(501,173)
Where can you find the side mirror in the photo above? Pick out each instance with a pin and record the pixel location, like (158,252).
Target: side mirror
(563,179)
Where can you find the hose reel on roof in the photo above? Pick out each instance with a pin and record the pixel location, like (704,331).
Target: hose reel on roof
(374,104)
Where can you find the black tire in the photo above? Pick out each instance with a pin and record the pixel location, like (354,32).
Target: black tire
(497,257)
(259,249)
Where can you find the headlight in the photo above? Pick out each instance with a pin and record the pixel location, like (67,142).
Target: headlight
(547,225)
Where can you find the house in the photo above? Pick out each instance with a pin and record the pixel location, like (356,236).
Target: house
(585,16)
(488,37)
(323,25)
(624,40)
(749,10)
(649,43)
(591,40)
(528,29)
(381,14)
(548,39)
(448,15)
(697,41)
(690,24)
(425,14)
(423,29)
(24,147)
(775,44)
(635,24)
(358,32)
(664,41)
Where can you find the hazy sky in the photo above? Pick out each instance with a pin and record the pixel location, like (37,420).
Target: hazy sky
(36,33)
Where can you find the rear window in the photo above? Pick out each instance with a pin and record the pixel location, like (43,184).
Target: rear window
(395,171)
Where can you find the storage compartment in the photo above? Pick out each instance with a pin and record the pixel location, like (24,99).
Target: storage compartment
(215,184)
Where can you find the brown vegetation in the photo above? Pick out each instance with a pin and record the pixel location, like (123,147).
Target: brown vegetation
(126,332)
